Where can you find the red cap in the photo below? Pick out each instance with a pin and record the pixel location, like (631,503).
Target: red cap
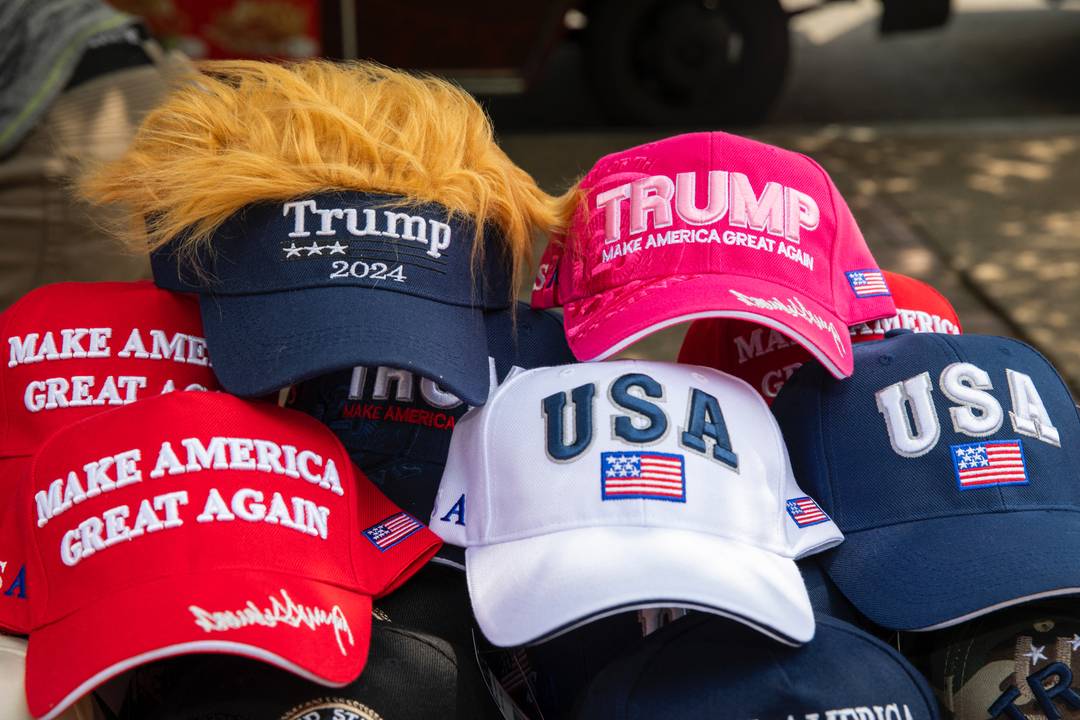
(765,358)
(72,350)
(198,522)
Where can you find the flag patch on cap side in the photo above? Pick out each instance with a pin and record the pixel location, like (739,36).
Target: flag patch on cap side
(806,512)
(643,475)
(388,533)
(867,283)
(985,464)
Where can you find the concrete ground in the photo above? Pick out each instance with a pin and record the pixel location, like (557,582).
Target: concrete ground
(958,152)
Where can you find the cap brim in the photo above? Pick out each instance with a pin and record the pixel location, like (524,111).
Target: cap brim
(601,325)
(936,573)
(137,625)
(262,343)
(536,588)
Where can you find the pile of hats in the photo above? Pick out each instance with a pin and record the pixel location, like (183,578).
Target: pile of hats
(219,485)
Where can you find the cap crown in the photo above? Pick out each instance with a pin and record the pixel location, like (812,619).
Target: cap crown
(712,203)
(933,426)
(622,444)
(199,482)
(72,350)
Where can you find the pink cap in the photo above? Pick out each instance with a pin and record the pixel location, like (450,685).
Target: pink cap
(711,225)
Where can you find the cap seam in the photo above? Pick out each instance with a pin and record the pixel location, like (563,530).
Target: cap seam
(833,191)
(944,340)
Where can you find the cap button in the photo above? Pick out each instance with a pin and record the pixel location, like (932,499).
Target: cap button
(895,332)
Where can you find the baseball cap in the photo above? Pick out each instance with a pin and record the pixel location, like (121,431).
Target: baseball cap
(591,489)
(946,460)
(396,426)
(73,350)
(410,675)
(301,288)
(200,523)
(1016,660)
(711,225)
(766,358)
(702,667)
(12,693)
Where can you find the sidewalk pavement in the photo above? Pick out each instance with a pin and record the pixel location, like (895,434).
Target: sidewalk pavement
(988,212)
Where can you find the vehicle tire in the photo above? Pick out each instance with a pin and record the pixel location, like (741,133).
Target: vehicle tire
(686,62)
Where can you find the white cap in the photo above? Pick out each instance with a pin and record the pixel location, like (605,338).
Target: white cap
(654,485)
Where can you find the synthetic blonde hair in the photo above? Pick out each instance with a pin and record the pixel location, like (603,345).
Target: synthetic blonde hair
(241,132)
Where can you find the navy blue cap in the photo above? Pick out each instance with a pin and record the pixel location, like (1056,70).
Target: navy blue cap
(708,667)
(294,289)
(952,466)
(422,664)
(396,427)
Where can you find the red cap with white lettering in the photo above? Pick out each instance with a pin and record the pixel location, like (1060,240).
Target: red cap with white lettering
(75,349)
(72,350)
(711,225)
(766,359)
(202,523)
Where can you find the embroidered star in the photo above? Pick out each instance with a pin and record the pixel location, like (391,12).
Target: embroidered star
(1075,642)
(337,248)
(315,249)
(292,251)
(1035,654)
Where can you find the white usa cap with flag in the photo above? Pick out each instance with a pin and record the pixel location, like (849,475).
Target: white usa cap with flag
(585,490)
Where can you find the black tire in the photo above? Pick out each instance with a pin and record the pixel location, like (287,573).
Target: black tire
(686,62)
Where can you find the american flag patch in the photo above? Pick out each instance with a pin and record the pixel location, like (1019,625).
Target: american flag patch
(982,464)
(648,475)
(867,283)
(392,530)
(805,512)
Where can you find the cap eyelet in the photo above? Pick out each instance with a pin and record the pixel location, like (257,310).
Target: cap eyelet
(884,360)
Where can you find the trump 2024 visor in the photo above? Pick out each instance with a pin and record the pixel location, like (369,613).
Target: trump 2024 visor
(711,225)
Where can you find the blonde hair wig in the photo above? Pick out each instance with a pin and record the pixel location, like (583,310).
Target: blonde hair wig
(242,132)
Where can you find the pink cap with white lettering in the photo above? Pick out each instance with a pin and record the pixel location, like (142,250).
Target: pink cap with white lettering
(197,522)
(711,225)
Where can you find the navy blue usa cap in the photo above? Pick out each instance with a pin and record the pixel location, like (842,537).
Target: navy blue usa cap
(952,466)
(707,667)
(396,426)
(294,289)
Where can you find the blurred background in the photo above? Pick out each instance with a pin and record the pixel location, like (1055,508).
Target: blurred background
(951,126)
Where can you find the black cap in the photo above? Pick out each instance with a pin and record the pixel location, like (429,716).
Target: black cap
(411,673)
